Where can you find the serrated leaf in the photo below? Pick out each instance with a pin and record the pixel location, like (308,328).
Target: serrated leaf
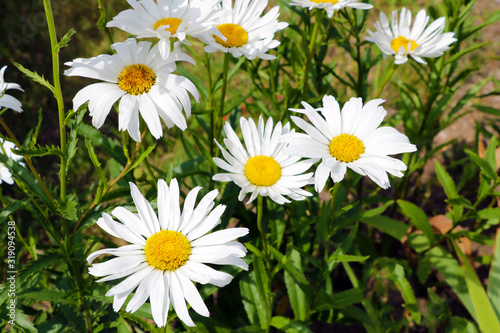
(73,137)
(49,295)
(489,213)
(35,77)
(68,209)
(138,320)
(39,151)
(64,40)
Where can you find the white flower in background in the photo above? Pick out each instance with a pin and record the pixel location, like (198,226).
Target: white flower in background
(6,148)
(330,5)
(7,101)
(351,139)
(142,81)
(167,252)
(166,19)
(401,40)
(261,167)
(246,32)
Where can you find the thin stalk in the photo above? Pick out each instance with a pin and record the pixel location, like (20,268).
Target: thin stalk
(209,105)
(333,193)
(310,51)
(58,94)
(113,182)
(225,74)
(386,79)
(260,208)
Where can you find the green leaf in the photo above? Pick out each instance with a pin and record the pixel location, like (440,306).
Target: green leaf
(453,274)
(39,151)
(35,77)
(489,213)
(385,224)
(23,175)
(68,209)
(347,258)
(73,137)
(461,325)
(494,277)
(486,169)
(95,161)
(139,320)
(460,54)
(289,325)
(298,299)
(255,250)
(110,147)
(101,22)
(446,181)
(491,153)
(255,294)
(34,137)
(141,157)
(486,317)
(23,321)
(417,218)
(5,212)
(65,40)
(488,110)
(49,295)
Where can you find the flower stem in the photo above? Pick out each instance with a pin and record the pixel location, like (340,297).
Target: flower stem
(310,51)
(260,208)
(386,79)
(58,94)
(225,74)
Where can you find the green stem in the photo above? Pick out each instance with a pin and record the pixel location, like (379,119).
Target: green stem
(210,105)
(260,209)
(80,285)
(386,79)
(225,74)
(58,94)
(333,192)
(310,51)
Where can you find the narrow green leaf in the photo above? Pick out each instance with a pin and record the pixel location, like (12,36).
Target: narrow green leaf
(488,110)
(486,169)
(491,153)
(35,77)
(446,181)
(417,218)
(23,175)
(5,212)
(298,299)
(486,317)
(289,325)
(393,228)
(489,213)
(347,258)
(73,137)
(470,49)
(110,147)
(34,137)
(95,161)
(255,250)
(65,40)
(141,158)
(494,277)
(39,151)
(453,274)
(52,295)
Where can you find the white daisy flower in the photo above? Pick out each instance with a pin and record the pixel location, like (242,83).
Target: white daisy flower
(166,19)
(7,101)
(330,5)
(142,81)
(168,252)
(262,167)
(245,31)
(351,139)
(400,39)
(6,148)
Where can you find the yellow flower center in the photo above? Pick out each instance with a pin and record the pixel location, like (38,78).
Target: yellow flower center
(136,79)
(235,34)
(172,22)
(262,170)
(326,1)
(346,148)
(167,250)
(403,41)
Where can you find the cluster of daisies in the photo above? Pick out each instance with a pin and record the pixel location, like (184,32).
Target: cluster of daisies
(170,249)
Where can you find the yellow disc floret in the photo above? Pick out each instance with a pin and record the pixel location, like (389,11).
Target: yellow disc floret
(262,170)
(167,250)
(326,1)
(346,148)
(172,22)
(403,41)
(136,79)
(235,34)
